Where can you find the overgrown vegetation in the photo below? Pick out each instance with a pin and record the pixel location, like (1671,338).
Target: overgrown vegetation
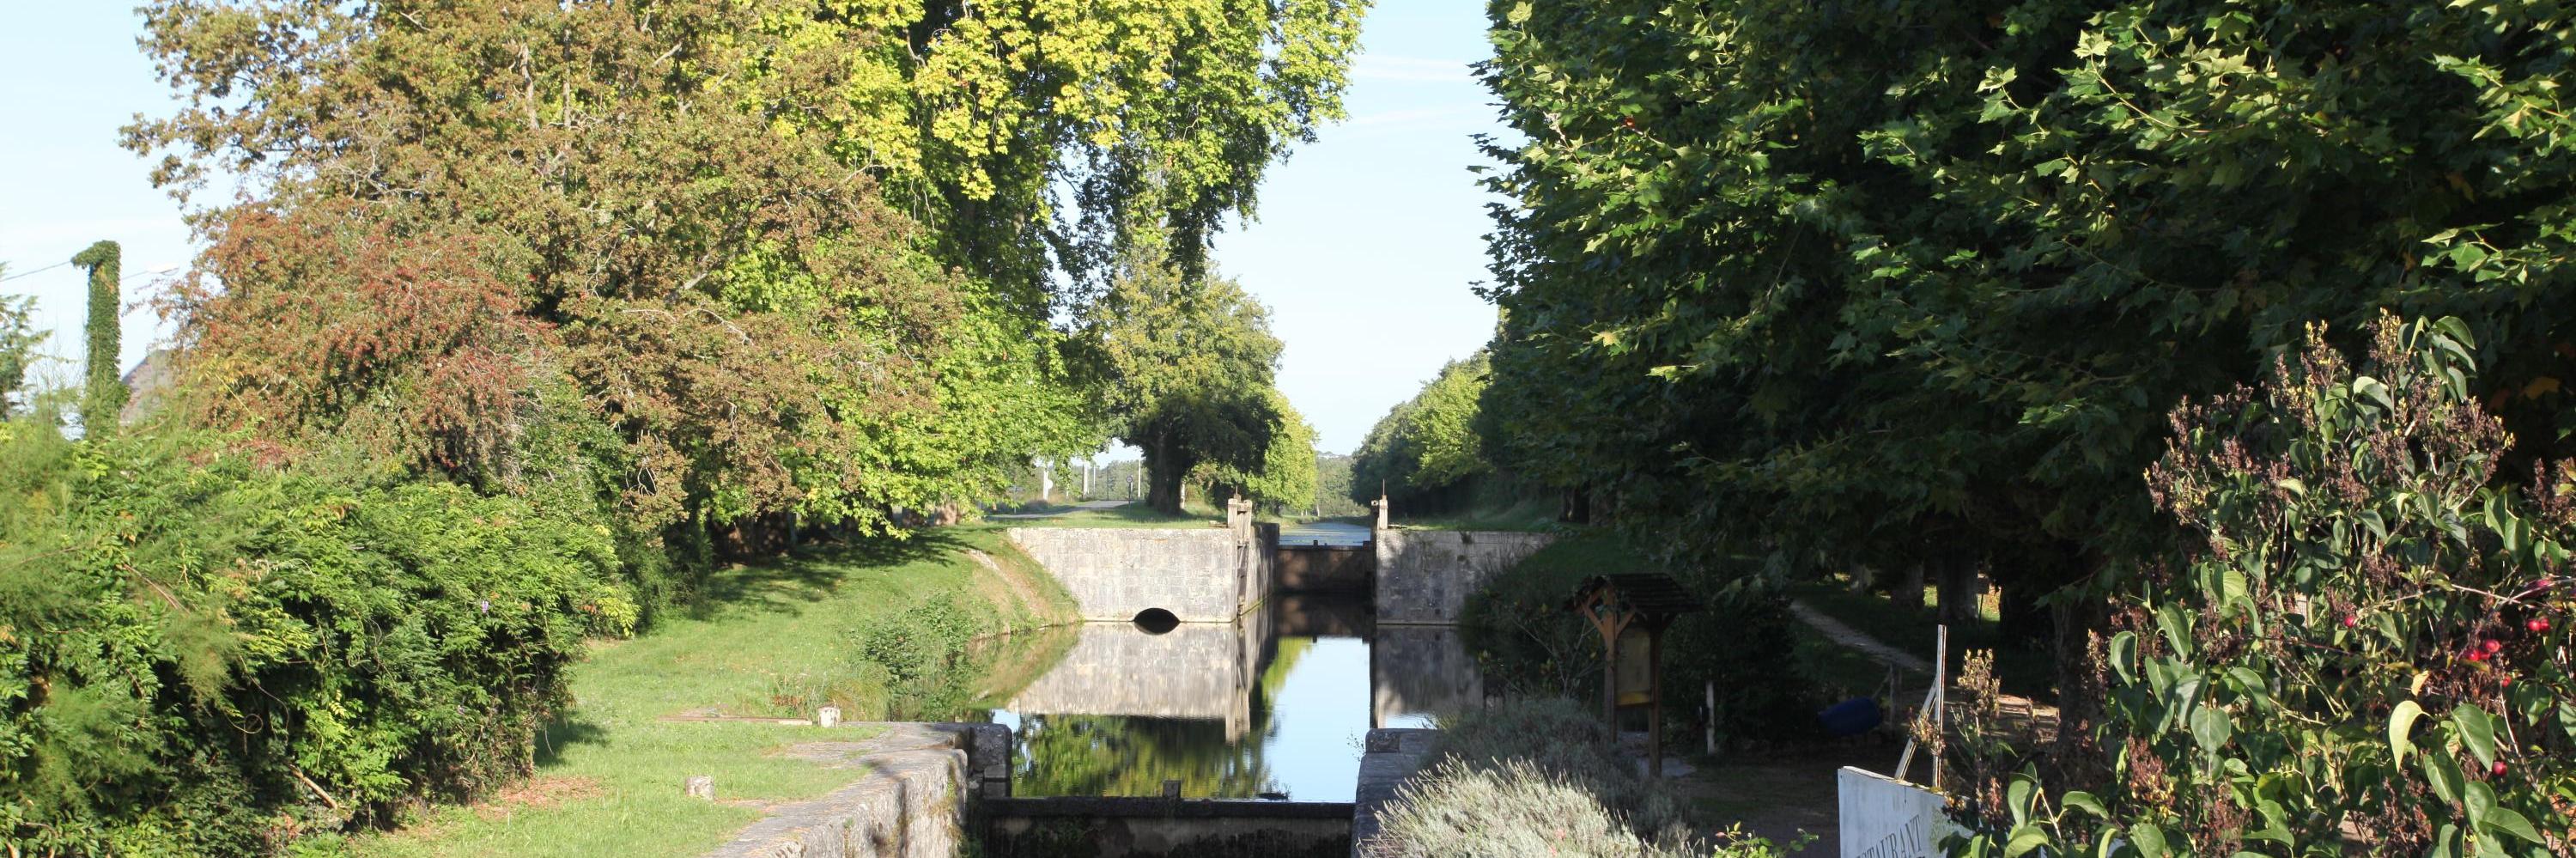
(203,655)
(1539,778)
(103,391)
(2367,643)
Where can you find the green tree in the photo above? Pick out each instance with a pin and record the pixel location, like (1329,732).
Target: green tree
(1428,447)
(1916,282)
(464,214)
(1285,481)
(18,342)
(103,389)
(977,116)
(1188,366)
(1333,486)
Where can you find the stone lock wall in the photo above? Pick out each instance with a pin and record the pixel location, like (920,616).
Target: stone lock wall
(1198,574)
(1425,576)
(909,799)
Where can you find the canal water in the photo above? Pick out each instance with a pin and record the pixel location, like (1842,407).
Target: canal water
(1276,704)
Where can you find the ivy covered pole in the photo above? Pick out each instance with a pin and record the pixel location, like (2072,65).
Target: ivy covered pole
(103,396)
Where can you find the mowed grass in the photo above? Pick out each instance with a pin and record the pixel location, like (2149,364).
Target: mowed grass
(609,780)
(1134,515)
(1522,515)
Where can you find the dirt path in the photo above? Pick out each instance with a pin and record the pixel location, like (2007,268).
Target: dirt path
(1858,640)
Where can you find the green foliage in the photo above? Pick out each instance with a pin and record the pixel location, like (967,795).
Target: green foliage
(200,655)
(1427,445)
(1886,282)
(1539,777)
(1285,483)
(1188,366)
(978,114)
(18,342)
(103,388)
(775,341)
(1528,642)
(2371,637)
(1333,487)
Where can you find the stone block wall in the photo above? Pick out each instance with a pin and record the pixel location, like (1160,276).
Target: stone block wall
(909,803)
(1425,576)
(1163,828)
(1390,757)
(1324,569)
(1199,574)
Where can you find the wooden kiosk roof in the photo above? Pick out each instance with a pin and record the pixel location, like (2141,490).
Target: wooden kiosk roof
(1638,594)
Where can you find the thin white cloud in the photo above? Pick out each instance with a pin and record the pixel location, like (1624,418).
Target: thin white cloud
(1415,117)
(1410,69)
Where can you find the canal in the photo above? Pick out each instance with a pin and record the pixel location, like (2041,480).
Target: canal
(1273,705)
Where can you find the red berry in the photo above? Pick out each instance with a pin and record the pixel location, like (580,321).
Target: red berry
(2475,655)
(2350,620)
(2493,646)
(2505,681)
(1629,121)
(2497,769)
(2537,624)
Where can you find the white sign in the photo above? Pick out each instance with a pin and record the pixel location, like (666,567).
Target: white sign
(1883,817)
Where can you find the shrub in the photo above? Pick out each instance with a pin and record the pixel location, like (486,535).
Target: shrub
(1539,778)
(2367,650)
(201,655)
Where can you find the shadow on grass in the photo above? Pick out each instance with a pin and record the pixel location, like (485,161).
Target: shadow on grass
(566,730)
(786,583)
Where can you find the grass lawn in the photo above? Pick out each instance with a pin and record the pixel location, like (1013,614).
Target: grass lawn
(1526,515)
(609,780)
(1132,515)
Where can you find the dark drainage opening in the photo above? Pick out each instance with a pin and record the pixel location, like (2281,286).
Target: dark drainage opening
(1156,621)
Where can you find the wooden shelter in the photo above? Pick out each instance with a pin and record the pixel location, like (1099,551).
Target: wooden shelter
(1647,603)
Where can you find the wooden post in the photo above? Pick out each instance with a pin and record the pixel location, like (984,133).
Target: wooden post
(1654,702)
(1940,700)
(1711,727)
(1610,678)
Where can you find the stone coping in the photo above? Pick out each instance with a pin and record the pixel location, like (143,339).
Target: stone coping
(1147,806)
(906,802)
(1393,754)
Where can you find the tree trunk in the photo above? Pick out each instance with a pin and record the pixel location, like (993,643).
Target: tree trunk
(1163,492)
(1957,590)
(1578,505)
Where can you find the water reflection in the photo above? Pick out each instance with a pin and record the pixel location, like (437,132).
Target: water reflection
(1276,704)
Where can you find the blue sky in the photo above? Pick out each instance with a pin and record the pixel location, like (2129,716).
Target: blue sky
(1365,246)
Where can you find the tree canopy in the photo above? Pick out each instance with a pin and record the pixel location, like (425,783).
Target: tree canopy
(1430,444)
(1871,284)
(1188,366)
